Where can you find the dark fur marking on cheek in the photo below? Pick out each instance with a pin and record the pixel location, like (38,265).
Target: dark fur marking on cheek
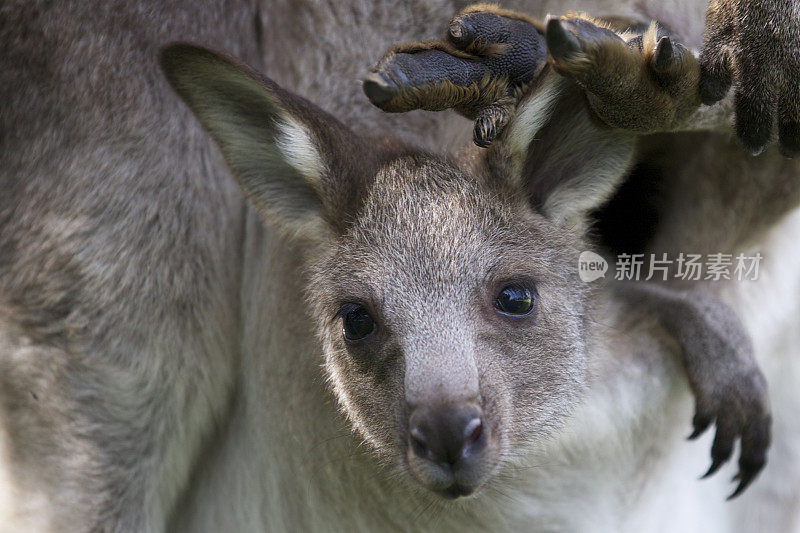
(387,366)
(378,358)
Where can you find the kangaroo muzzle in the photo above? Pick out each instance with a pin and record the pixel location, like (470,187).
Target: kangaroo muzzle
(447,447)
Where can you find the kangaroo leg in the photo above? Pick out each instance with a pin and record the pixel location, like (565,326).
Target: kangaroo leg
(754,46)
(645,87)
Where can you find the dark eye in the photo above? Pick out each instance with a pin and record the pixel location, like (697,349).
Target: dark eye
(515,300)
(356,322)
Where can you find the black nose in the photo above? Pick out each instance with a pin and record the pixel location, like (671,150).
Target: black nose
(447,434)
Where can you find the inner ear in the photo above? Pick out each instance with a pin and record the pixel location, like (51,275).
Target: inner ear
(559,155)
(575,163)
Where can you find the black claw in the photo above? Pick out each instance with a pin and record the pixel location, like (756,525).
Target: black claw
(379,89)
(664,55)
(700,423)
(560,42)
(753,123)
(696,433)
(459,33)
(715,464)
(720,451)
(484,133)
(749,469)
(753,136)
(745,481)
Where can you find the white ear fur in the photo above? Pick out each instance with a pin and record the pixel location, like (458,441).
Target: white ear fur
(295,143)
(533,116)
(271,152)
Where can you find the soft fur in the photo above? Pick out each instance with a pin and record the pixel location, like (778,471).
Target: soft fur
(161,367)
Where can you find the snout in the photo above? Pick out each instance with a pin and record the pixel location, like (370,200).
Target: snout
(449,448)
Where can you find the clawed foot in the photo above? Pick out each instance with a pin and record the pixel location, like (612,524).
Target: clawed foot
(481,69)
(729,389)
(648,83)
(737,403)
(755,46)
(490,57)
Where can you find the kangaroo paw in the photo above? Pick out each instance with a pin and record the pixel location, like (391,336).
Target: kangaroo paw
(752,46)
(735,400)
(479,68)
(730,390)
(648,83)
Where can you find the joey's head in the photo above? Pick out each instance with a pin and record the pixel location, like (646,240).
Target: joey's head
(451,321)
(446,297)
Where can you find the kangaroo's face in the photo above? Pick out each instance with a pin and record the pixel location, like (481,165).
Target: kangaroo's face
(447,300)
(451,322)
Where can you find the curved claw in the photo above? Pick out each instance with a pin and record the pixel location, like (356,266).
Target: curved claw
(700,424)
(484,132)
(722,448)
(560,42)
(755,441)
(698,430)
(664,55)
(753,122)
(747,473)
(744,482)
(379,89)
(739,489)
(715,465)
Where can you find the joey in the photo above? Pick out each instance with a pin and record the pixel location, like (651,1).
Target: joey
(644,82)
(449,340)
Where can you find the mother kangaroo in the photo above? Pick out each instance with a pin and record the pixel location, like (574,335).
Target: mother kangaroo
(168,344)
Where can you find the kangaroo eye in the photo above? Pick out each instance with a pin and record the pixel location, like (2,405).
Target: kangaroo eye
(515,300)
(356,323)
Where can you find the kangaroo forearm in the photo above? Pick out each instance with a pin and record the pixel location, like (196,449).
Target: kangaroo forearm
(721,368)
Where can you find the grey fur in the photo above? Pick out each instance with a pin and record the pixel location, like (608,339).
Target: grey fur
(152,338)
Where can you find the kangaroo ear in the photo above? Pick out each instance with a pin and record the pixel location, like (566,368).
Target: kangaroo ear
(297,164)
(566,161)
